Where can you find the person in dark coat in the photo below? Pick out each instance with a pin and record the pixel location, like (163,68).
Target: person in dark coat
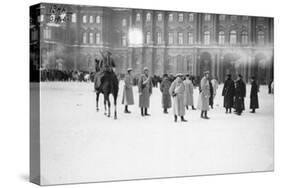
(211,99)
(254,102)
(228,92)
(166,97)
(240,93)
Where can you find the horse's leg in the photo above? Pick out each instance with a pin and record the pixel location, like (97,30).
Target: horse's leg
(97,101)
(105,109)
(108,102)
(115,110)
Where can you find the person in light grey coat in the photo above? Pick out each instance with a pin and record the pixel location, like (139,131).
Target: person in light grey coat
(177,92)
(128,97)
(188,93)
(203,99)
(145,90)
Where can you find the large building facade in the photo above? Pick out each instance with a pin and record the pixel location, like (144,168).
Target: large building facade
(70,37)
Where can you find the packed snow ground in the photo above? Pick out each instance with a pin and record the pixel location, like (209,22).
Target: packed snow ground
(79,144)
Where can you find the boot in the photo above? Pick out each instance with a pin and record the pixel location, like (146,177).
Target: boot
(165,111)
(182,119)
(126,110)
(205,115)
(226,110)
(142,113)
(186,107)
(253,111)
(202,112)
(193,108)
(145,112)
(230,110)
(176,118)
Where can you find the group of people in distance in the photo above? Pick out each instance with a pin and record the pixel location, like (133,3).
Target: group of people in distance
(178,94)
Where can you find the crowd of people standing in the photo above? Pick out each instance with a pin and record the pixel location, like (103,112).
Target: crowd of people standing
(177,93)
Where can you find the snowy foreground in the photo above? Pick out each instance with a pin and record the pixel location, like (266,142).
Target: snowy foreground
(79,144)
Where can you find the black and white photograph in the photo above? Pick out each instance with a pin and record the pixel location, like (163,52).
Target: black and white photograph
(122,93)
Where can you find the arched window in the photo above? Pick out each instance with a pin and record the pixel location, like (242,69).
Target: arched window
(221,17)
(124,40)
(244,37)
(159,17)
(98,38)
(47,33)
(190,38)
(233,37)
(138,17)
(233,18)
(98,19)
(91,38)
(91,19)
(180,38)
(191,17)
(171,17)
(207,17)
(84,19)
(73,18)
(148,37)
(170,38)
(159,38)
(221,37)
(207,37)
(124,22)
(84,37)
(180,17)
(260,37)
(148,17)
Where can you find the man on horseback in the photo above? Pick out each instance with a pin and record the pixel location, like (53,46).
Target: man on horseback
(106,82)
(106,65)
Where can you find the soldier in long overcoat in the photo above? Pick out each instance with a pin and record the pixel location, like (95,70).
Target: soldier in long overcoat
(204,95)
(228,92)
(128,97)
(240,93)
(254,101)
(166,97)
(177,92)
(145,90)
(188,93)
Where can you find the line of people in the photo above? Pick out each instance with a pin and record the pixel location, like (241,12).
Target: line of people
(178,94)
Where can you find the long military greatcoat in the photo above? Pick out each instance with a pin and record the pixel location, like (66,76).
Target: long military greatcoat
(177,92)
(254,101)
(188,93)
(145,90)
(228,92)
(203,99)
(166,97)
(240,93)
(128,97)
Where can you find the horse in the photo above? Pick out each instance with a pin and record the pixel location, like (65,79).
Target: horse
(109,84)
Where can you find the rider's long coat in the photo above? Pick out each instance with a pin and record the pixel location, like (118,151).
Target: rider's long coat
(128,97)
(145,90)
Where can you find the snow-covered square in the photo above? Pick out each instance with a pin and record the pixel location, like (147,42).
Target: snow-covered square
(79,144)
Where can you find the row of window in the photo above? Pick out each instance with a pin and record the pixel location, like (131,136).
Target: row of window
(206,37)
(95,38)
(180,17)
(87,19)
(160,17)
(97,19)
(91,38)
